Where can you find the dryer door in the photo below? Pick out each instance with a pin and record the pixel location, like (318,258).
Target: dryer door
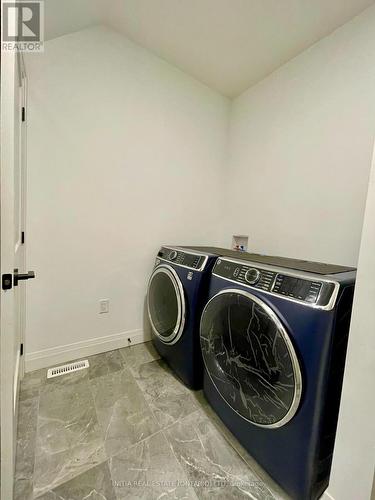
(166,304)
(250,358)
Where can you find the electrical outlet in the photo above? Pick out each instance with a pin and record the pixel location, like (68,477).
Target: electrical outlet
(103,306)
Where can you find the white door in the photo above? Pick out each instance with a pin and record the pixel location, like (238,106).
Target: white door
(12,255)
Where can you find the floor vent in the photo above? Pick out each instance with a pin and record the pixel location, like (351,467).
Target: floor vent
(64,369)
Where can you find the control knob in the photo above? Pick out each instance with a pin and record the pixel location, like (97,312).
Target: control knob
(173,255)
(252,276)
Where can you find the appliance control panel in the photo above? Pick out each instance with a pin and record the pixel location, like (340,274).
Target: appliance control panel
(301,289)
(181,258)
(245,274)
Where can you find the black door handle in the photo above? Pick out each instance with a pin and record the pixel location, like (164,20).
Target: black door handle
(19,277)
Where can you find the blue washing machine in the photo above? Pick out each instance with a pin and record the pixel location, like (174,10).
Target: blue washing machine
(273,336)
(177,292)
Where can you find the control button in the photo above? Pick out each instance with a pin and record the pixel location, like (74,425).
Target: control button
(252,276)
(236,272)
(173,255)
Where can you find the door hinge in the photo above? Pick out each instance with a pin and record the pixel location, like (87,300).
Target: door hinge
(23,113)
(22,237)
(21,350)
(7,281)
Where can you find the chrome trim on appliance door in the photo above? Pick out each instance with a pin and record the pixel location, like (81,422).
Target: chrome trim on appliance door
(181,305)
(286,272)
(295,364)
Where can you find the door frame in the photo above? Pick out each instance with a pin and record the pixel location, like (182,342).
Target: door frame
(23,193)
(12,136)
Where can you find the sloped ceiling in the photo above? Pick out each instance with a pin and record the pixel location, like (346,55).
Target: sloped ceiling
(227,44)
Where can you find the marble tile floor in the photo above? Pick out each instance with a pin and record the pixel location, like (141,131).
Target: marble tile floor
(127,428)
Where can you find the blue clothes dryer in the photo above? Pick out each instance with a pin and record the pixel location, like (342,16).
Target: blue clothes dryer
(177,292)
(274,340)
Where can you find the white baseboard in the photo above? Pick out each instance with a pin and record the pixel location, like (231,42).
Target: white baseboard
(69,352)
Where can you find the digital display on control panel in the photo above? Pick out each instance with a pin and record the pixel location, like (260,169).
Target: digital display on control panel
(189,260)
(226,269)
(297,288)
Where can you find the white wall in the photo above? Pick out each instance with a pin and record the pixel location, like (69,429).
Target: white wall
(125,153)
(301,145)
(354,456)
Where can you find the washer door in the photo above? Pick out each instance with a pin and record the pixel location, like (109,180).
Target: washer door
(166,304)
(250,358)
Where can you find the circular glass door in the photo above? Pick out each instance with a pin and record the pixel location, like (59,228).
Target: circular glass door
(166,304)
(250,358)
